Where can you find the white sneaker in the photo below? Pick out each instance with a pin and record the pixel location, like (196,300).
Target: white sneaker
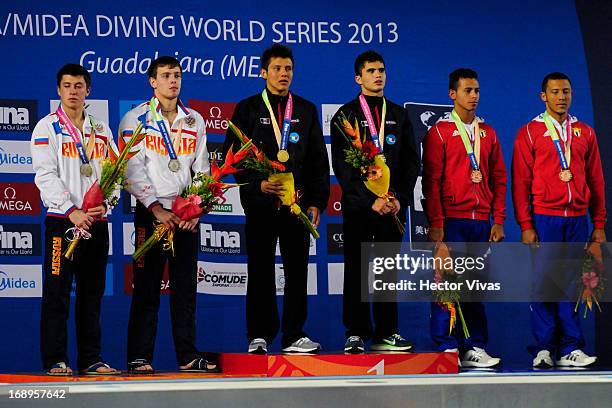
(477,357)
(543,360)
(258,346)
(454,350)
(303,345)
(576,358)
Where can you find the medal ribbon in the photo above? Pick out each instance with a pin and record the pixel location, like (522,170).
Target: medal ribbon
(473,153)
(378,137)
(281,139)
(74,134)
(564,158)
(170,145)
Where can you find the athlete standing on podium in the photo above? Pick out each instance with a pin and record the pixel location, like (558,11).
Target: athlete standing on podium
(301,148)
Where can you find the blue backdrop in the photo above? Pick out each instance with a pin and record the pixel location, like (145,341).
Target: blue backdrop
(511,45)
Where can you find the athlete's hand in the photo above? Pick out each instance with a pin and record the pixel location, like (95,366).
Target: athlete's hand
(529,237)
(497,233)
(436,234)
(165,217)
(598,235)
(268,187)
(81,219)
(189,225)
(380,206)
(315,216)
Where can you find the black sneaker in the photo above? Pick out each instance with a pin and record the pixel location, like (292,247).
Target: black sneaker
(395,342)
(354,345)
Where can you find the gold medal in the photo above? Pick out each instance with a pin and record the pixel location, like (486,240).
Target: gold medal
(86,169)
(565,175)
(282,156)
(476,176)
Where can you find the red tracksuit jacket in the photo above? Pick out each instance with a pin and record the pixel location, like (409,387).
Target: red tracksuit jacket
(448,189)
(536,187)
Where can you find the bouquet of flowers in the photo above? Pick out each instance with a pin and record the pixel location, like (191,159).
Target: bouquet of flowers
(367,158)
(448,299)
(275,173)
(591,283)
(111,179)
(204,192)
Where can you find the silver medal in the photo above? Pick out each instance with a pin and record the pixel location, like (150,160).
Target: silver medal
(174,165)
(86,169)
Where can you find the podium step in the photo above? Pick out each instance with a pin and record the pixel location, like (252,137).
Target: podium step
(325,365)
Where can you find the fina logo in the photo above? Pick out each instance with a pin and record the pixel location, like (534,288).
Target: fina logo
(15,239)
(221,242)
(14,116)
(17,115)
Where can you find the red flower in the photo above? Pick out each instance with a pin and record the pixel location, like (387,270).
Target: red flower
(185,208)
(590,280)
(276,165)
(369,149)
(216,189)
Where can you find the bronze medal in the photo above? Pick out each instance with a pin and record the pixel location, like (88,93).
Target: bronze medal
(282,156)
(86,169)
(476,176)
(565,175)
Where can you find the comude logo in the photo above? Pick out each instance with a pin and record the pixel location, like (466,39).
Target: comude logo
(215,114)
(222,239)
(222,278)
(334,205)
(335,239)
(20,239)
(15,157)
(18,115)
(20,281)
(19,199)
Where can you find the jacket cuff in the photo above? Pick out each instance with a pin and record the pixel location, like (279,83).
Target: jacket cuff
(498,220)
(526,225)
(437,223)
(149,202)
(599,224)
(67,207)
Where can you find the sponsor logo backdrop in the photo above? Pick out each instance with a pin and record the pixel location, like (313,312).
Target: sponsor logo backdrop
(219,47)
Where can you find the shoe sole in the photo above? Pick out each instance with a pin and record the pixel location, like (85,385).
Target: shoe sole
(259,350)
(301,350)
(543,364)
(354,350)
(473,364)
(573,364)
(386,347)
